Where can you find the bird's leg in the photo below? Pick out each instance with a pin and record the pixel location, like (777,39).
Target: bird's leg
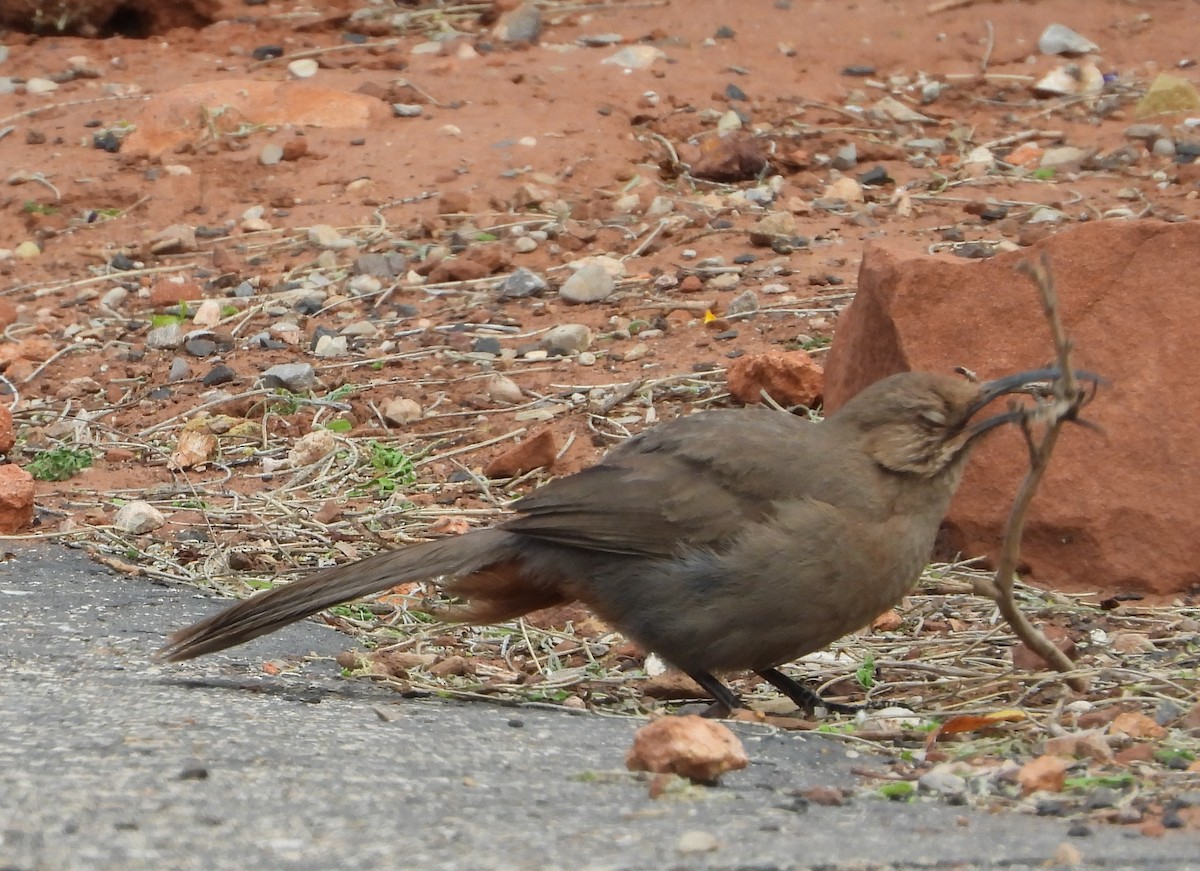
(806,698)
(725,700)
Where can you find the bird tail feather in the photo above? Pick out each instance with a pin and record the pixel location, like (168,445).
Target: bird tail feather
(274,609)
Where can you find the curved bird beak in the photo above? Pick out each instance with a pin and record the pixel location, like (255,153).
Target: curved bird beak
(1035,382)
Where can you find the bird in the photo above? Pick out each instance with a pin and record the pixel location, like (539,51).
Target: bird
(728,540)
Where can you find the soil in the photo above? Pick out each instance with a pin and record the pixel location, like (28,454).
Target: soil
(502,154)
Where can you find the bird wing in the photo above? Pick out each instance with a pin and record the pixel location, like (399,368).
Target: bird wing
(691,482)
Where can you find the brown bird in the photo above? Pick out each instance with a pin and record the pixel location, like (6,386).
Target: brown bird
(728,540)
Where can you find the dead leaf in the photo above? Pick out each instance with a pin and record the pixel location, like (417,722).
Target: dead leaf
(974,722)
(1045,774)
(888,621)
(449,526)
(1137,725)
(193,449)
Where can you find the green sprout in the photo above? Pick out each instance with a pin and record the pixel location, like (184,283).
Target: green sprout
(58,464)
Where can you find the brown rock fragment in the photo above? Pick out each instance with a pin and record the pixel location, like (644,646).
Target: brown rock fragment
(1046,773)
(692,747)
(790,378)
(167,292)
(458,269)
(451,666)
(1191,720)
(1136,725)
(16,498)
(1089,743)
(8,314)
(737,157)
(536,452)
(454,202)
(7,436)
(183,115)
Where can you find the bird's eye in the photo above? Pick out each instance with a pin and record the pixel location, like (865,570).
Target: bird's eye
(932,417)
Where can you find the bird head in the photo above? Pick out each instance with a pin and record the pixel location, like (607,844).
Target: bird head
(924,424)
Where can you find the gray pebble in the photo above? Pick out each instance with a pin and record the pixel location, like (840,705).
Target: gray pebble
(179,370)
(296,377)
(486,345)
(522,283)
(600,40)
(332,346)
(165,338)
(567,338)
(1102,797)
(523,24)
(934,146)
(114,297)
(591,283)
(1163,148)
(380,265)
(1145,132)
(1060,39)
(846,157)
(219,374)
(942,783)
(743,303)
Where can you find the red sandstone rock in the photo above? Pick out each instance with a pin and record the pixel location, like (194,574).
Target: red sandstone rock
(788,377)
(16,498)
(8,314)
(185,114)
(690,746)
(458,269)
(533,453)
(166,292)
(737,157)
(7,437)
(1118,510)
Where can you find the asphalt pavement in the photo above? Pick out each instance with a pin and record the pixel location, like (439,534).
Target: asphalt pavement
(111,760)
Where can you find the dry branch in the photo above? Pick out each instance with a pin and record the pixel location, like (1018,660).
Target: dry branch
(1063,404)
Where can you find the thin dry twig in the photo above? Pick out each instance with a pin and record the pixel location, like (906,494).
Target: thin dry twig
(1063,406)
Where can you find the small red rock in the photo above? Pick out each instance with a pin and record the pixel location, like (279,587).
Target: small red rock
(690,746)
(536,452)
(738,157)
(492,256)
(1046,773)
(166,292)
(888,621)
(1136,725)
(1134,753)
(294,149)
(1191,720)
(458,269)
(790,378)
(451,666)
(454,203)
(829,796)
(16,498)
(7,437)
